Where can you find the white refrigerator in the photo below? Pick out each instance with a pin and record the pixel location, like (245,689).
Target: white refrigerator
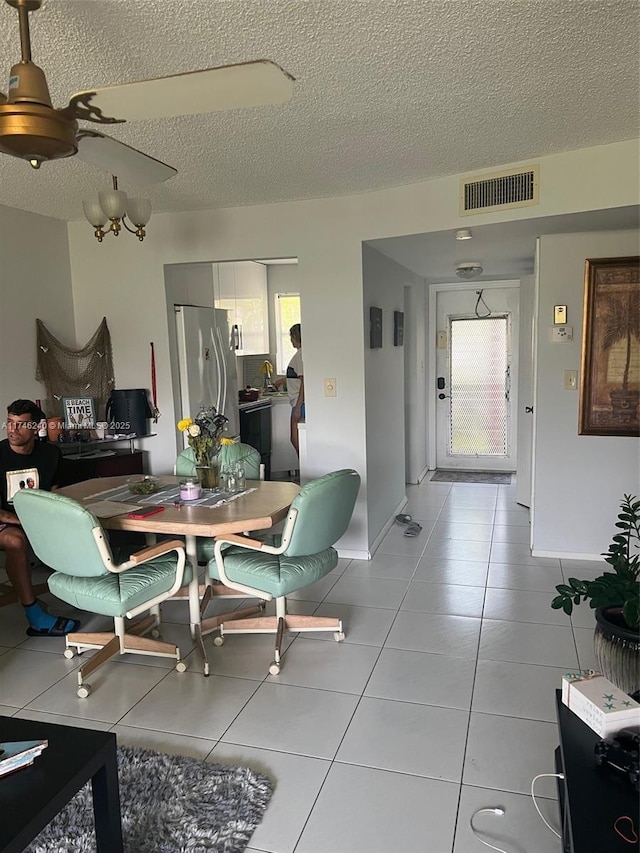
(206,364)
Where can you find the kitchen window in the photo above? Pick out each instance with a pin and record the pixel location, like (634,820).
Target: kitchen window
(287,311)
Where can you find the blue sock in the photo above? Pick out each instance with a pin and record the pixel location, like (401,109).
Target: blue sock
(38,618)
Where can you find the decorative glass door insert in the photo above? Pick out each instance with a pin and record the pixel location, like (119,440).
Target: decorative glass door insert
(479,387)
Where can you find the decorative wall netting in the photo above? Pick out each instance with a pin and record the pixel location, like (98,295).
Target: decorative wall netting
(67,372)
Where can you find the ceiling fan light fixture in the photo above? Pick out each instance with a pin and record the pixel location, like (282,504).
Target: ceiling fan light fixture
(139,211)
(113,202)
(469,270)
(94,212)
(114,205)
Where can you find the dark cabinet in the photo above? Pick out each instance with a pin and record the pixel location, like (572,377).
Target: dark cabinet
(75,469)
(255,429)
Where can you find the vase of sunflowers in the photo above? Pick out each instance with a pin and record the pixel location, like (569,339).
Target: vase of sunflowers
(204,436)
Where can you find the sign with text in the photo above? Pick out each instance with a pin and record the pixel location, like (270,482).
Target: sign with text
(79,413)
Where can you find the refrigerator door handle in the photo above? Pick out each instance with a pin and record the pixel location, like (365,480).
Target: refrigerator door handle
(218,368)
(222,373)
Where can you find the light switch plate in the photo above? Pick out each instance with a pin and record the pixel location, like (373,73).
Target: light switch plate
(330,387)
(571,380)
(441,339)
(559,314)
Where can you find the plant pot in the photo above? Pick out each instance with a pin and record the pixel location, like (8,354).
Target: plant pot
(617,649)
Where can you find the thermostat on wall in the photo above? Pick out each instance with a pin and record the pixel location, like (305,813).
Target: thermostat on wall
(561,334)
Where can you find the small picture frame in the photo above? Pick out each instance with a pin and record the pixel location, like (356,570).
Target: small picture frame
(79,413)
(398,328)
(26,478)
(375,335)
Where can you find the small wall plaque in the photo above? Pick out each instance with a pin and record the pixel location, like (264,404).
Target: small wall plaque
(375,316)
(398,328)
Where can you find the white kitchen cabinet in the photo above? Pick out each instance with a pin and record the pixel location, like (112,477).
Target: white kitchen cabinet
(240,287)
(283,456)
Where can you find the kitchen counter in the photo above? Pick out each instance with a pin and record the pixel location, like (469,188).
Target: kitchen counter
(266,400)
(260,403)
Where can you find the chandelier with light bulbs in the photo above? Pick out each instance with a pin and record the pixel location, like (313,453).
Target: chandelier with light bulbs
(114,206)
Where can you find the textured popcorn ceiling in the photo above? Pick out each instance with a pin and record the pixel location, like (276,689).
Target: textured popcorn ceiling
(387,92)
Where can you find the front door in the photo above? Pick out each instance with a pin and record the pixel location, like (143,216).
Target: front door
(476,385)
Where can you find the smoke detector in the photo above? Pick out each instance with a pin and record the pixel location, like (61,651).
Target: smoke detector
(468,269)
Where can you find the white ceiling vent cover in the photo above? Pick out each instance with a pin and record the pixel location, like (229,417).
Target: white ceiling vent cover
(500,190)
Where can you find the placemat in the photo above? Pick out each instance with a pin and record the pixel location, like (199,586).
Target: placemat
(169,495)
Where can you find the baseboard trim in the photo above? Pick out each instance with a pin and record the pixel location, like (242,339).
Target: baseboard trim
(386,528)
(568,555)
(347,554)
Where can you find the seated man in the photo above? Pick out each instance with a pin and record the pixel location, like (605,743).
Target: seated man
(26,463)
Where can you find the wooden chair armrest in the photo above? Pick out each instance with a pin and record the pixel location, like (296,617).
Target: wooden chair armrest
(156,551)
(234,539)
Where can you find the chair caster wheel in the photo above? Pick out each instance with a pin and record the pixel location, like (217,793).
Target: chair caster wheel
(84,690)
(274,669)
(218,641)
(155,633)
(69,653)
(338,636)
(181,666)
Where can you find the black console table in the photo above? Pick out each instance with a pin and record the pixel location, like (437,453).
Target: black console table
(31,797)
(591,797)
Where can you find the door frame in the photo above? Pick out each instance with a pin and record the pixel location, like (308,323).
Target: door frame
(434,289)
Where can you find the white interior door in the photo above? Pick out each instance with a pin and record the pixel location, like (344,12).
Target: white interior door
(476,370)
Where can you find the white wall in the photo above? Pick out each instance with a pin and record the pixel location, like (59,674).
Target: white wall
(123,280)
(416,399)
(384,371)
(578,479)
(35,283)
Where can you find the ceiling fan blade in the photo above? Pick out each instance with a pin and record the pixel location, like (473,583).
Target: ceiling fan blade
(126,163)
(248,84)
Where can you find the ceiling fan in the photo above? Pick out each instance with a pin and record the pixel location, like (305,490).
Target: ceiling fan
(33,130)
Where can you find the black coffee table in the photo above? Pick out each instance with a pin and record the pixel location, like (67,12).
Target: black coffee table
(592,798)
(31,797)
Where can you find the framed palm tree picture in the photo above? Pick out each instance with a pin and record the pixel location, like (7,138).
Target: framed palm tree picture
(610,380)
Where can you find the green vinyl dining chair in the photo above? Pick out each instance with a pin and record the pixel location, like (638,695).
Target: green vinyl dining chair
(69,539)
(230,454)
(319,515)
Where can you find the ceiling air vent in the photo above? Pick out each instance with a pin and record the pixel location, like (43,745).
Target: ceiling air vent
(500,190)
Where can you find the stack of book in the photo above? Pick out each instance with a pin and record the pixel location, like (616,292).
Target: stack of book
(21,753)
(599,703)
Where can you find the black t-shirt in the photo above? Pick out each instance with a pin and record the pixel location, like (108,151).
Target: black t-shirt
(39,469)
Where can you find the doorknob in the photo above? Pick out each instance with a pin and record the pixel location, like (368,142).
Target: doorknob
(528,410)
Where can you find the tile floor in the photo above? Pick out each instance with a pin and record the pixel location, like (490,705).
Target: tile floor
(439,702)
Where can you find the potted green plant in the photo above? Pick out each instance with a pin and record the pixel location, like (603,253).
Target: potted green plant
(615,595)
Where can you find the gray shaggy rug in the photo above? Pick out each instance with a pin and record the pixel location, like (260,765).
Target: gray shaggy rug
(170,804)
